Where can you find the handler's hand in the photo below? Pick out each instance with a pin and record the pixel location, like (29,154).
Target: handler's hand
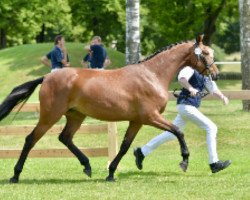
(192,91)
(225,100)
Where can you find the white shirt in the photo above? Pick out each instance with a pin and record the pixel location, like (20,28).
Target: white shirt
(187,72)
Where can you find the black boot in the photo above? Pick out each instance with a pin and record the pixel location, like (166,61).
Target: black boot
(219,165)
(139,157)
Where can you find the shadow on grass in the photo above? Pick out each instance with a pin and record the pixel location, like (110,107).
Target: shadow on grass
(125,175)
(41,71)
(129,176)
(150,174)
(52,181)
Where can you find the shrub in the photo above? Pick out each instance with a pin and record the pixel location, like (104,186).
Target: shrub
(219,53)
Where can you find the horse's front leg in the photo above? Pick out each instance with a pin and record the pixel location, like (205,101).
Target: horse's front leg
(158,121)
(128,139)
(30,141)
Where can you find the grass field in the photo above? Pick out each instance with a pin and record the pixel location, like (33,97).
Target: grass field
(161,178)
(231,67)
(22,63)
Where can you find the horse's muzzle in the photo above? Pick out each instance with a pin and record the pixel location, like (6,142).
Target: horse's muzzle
(214,76)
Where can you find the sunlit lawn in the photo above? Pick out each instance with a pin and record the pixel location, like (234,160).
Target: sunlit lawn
(161,178)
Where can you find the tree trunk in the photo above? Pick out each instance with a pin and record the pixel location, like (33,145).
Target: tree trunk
(209,24)
(132,31)
(244,7)
(3,38)
(41,37)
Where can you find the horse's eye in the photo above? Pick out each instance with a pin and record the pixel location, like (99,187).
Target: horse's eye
(205,52)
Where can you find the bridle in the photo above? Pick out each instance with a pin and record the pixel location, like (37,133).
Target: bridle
(200,57)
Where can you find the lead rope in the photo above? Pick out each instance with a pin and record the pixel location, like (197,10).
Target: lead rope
(201,94)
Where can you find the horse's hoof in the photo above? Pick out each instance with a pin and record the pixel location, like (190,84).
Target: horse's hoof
(184,165)
(13,180)
(88,172)
(110,179)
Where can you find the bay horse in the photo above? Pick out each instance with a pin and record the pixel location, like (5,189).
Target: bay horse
(137,93)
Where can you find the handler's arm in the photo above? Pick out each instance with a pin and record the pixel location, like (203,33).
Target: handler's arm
(213,89)
(65,58)
(184,83)
(185,74)
(45,61)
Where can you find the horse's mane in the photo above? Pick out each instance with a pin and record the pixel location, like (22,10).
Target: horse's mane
(161,50)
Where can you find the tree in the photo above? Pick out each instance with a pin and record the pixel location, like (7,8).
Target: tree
(212,12)
(11,15)
(98,17)
(227,34)
(132,31)
(161,22)
(171,21)
(53,20)
(166,22)
(22,20)
(244,6)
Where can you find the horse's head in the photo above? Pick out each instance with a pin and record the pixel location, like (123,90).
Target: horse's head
(203,58)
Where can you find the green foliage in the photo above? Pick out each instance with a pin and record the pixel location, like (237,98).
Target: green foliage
(99,17)
(167,22)
(227,35)
(162,22)
(219,53)
(22,19)
(229,38)
(56,16)
(176,23)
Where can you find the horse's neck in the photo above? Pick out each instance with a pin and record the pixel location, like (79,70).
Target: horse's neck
(166,64)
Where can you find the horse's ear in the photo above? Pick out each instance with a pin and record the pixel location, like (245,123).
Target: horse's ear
(199,38)
(197,49)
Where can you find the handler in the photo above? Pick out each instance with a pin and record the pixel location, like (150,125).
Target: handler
(188,103)
(58,56)
(97,57)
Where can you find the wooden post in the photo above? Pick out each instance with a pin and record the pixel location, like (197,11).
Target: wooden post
(112,141)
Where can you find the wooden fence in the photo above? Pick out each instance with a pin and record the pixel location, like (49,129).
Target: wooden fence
(232,95)
(109,128)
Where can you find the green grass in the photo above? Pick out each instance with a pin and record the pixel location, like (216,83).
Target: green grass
(22,63)
(231,67)
(161,178)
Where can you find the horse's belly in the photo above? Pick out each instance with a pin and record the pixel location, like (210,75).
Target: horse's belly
(107,112)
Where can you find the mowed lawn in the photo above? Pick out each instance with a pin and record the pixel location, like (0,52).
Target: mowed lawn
(161,177)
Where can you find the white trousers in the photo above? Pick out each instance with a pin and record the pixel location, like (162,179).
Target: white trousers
(191,113)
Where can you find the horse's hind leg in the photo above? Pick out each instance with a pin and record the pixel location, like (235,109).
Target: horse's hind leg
(30,141)
(159,122)
(74,121)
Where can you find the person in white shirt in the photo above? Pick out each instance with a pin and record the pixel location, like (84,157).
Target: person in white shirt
(188,102)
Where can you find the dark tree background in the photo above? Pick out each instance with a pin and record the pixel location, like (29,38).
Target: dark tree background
(162,22)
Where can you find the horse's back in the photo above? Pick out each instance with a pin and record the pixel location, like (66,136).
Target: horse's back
(84,90)
(104,94)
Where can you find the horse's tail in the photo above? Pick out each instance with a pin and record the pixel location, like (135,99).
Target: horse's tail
(19,94)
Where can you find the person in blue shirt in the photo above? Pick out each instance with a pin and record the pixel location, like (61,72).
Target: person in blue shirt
(188,103)
(97,55)
(86,62)
(58,56)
